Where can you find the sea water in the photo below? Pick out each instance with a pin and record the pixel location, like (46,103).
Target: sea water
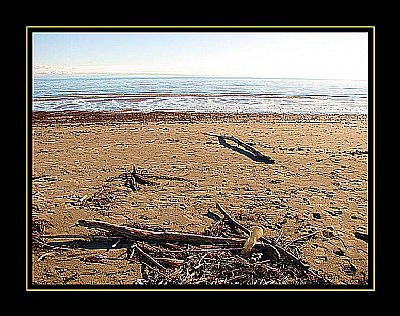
(199,94)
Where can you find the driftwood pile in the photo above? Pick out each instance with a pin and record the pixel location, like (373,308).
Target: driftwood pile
(213,258)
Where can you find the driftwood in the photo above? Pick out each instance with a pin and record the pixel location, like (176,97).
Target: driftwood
(132,179)
(248,147)
(139,178)
(160,236)
(244,145)
(172,236)
(231,221)
(204,259)
(89,237)
(148,257)
(275,250)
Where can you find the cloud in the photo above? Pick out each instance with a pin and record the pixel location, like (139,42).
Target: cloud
(51,70)
(43,70)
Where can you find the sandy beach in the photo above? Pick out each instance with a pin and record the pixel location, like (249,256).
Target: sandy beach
(318,185)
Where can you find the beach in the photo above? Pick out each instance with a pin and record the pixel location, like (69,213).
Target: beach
(313,197)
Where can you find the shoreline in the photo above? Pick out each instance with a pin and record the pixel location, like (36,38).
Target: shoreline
(67,117)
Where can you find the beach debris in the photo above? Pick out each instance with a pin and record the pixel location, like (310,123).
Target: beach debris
(139,178)
(44,178)
(159,236)
(361,235)
(257,154)
(133,178)
(148,257)
(39,227)
(211,258)
(274,250)
(256,233)
(171,257)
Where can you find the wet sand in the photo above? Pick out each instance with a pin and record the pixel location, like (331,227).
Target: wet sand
(319,181)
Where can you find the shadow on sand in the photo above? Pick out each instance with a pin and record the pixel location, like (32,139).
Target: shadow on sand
(244,152)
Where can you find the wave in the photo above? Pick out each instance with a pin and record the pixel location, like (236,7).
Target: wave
(201,102)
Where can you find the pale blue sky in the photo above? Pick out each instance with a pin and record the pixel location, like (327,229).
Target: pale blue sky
(316,55)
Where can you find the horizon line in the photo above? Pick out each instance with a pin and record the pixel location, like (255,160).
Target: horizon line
(150,74)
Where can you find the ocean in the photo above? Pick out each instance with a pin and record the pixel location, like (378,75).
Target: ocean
(199,94)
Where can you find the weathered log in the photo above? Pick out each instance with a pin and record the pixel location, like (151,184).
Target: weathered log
(161,236)
(248,147)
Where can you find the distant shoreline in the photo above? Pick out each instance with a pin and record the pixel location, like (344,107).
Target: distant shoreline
(161,75)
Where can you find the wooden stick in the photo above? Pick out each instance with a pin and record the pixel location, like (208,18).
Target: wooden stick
(169,178)
(204,250)
(171,261)
(140,179)
(132,182)
(273,251)
(301,238)
(231,220)
(65,236)
(150,258)
(163,236)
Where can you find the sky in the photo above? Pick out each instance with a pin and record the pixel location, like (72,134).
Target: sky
(313,55)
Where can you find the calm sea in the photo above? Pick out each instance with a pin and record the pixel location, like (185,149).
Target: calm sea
(200,94)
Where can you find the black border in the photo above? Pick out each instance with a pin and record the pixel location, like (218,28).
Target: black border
(371,136)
